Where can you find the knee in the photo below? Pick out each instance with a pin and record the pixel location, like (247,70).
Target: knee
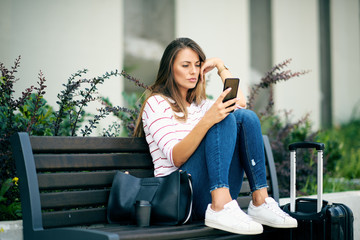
(246,115)
(227,124)
(251,115)
(229,121)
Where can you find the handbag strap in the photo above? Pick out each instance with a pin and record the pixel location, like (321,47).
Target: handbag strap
(148,189)
(191,201)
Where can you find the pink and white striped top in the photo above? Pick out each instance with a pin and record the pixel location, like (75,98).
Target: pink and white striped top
(163,131)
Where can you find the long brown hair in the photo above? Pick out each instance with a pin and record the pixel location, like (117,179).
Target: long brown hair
(166,86)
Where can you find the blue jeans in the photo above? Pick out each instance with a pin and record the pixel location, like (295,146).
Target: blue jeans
(230,147)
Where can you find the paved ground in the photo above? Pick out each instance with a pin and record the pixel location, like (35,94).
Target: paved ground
(11,230)
(350,198)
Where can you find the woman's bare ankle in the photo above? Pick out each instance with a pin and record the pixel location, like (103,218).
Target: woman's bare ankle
(220,197)
(258,196)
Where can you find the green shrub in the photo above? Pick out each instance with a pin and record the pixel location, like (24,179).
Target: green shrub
(31,113)
(10,210)
(342,144)
(282,131)
(343,149)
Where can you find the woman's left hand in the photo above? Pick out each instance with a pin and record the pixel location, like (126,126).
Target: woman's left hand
(209,65)
(212,63)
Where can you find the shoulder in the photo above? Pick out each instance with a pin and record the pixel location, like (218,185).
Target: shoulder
(158,99)
(157,103)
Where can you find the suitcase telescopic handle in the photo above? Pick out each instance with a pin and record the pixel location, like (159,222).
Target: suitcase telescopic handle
(320,148)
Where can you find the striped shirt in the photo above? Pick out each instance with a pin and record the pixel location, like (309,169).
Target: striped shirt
(163,131)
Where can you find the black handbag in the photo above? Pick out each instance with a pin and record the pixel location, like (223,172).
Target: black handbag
(170,197)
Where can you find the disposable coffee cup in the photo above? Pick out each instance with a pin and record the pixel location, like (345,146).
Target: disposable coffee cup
(142,213)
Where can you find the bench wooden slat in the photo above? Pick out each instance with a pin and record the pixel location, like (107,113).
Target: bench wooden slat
(69,162)
(97,197)
(73,199)
(155,228)
(244,201)
(270,168)
(189,231)
(87,144)
(245,187)
(72,180)
(75,180)
(74,217)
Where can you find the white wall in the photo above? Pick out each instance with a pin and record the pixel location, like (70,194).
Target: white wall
(60,38)
(221,28)
(345,46)
(295,35)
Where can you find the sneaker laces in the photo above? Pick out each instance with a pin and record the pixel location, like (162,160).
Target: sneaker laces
(273,206)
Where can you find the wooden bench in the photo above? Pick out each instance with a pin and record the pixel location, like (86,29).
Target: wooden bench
(65,184)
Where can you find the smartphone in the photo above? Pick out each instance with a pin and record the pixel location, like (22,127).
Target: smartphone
(234,84)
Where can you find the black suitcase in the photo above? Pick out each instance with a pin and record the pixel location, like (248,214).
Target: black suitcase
(317,219)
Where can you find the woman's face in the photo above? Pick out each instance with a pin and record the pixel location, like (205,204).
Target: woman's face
(186,69)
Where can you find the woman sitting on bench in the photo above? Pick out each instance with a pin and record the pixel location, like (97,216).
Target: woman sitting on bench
(214,141)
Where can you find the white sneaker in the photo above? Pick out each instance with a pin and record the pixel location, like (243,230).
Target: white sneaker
(232,219)
(270,214)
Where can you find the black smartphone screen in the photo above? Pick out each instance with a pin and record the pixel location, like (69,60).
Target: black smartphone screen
(234,84)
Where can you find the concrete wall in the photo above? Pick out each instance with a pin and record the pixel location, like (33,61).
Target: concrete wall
(148,29)
(221,28)
(345,36)
(260,48)
(60,38)
(295,36)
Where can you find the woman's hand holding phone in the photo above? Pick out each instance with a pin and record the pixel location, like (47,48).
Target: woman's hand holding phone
(220,109)
(232,83)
